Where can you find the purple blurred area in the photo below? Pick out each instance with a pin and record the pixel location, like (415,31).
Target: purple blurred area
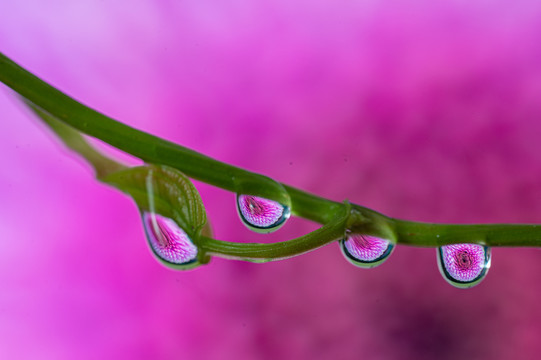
(423,110)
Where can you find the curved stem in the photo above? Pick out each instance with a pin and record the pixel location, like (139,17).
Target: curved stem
(267,252)
(152,149)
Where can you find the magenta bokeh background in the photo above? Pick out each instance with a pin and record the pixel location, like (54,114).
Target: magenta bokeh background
(424,110)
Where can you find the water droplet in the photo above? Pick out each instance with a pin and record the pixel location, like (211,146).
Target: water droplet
(262,215)
(168,241)
(464,265)
(366,251)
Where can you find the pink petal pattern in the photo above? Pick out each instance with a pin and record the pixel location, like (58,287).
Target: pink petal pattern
(464,265)
(261,214)
(168,241)
(366,251)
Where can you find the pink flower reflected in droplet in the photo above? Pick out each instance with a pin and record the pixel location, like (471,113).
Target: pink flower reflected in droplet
(365,250)
(261,214)
(464,264)
(168,240)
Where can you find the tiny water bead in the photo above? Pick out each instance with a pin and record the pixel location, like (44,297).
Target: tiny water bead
(464,265)
(366,251)
(262,215)
(168,241)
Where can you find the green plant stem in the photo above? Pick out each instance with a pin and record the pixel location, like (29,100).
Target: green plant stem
(276,251)
(430,235)
(155,150)
(255,252)
(151,148)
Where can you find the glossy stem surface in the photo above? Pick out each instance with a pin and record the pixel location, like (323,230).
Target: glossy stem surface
(329,232)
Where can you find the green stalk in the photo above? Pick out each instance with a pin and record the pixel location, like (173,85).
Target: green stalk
(152,149)
(255,252)
(430,235)
(276,251)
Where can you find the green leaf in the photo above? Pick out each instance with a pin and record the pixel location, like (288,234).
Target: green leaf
(163,190)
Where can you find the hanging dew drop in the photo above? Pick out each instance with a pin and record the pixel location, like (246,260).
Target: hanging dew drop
(464,265)
(366,251)
(168,241)
(172,213)
(262,215)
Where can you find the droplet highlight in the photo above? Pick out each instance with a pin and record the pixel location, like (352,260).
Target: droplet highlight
(366,251)
(168,241)
(262,215)
(464,265)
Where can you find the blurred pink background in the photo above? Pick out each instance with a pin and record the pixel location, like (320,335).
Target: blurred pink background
(423,110)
